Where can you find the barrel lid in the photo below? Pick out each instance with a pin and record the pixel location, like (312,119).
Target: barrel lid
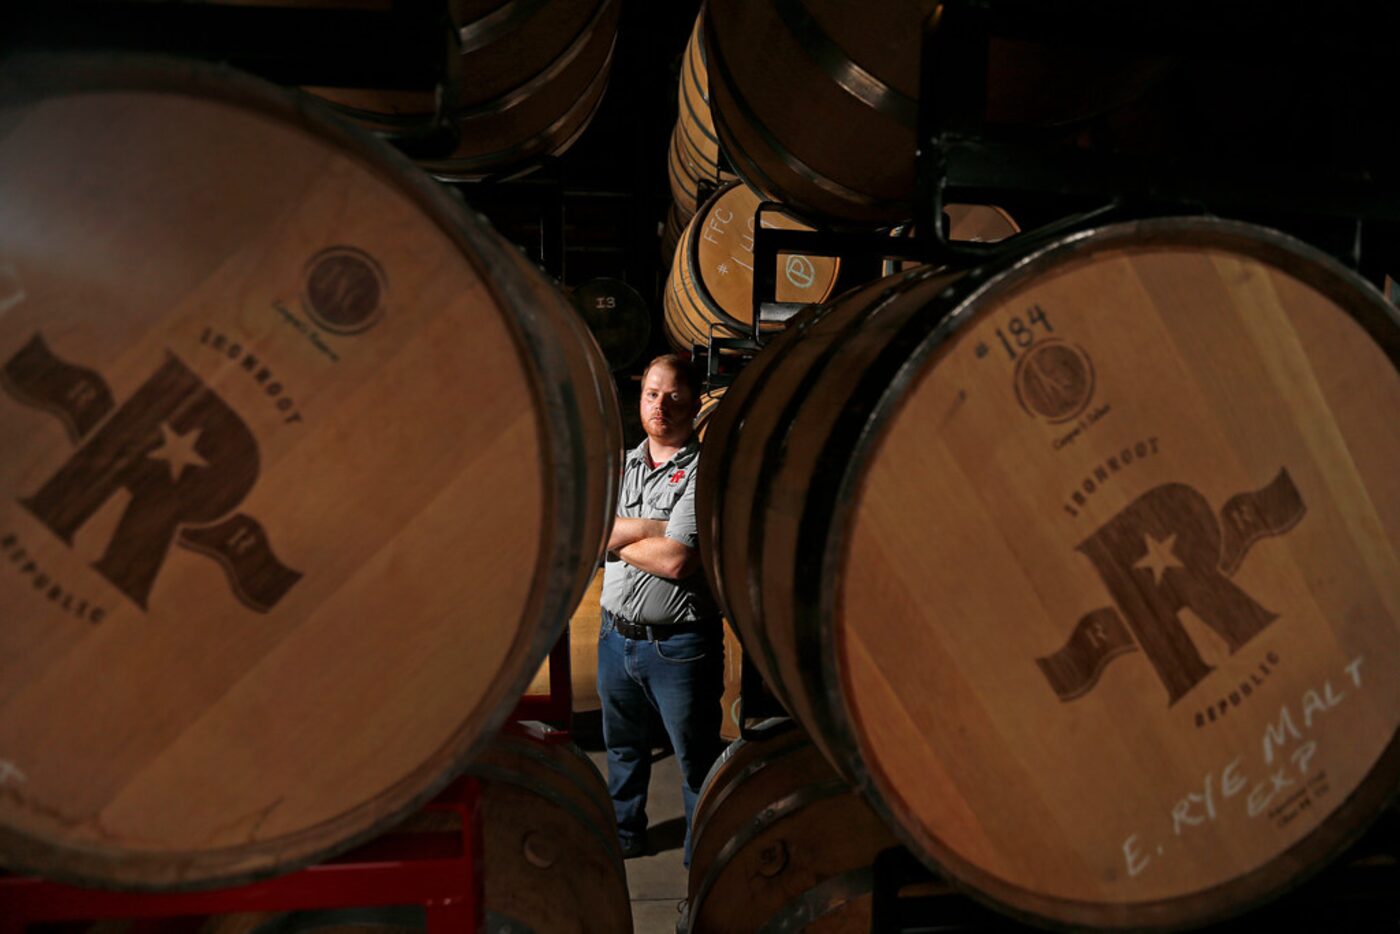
(276,535)
(721,249)
(617,316)
(1115,577)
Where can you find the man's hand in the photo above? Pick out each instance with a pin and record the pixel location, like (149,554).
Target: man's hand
(664,557)
(629,531)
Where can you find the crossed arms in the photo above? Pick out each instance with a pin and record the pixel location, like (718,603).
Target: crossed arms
(643,544)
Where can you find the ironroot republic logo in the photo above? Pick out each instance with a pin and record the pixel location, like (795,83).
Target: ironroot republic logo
(1167,552)
(186,459)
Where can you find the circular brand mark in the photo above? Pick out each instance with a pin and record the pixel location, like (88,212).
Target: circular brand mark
(1054,380)
(343,289)
(801,272)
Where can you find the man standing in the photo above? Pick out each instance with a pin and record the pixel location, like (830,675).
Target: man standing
(661,646)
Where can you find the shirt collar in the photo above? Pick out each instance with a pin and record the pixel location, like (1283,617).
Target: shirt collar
(684,456)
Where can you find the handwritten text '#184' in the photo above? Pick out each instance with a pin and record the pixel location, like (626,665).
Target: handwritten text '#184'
(1286,789)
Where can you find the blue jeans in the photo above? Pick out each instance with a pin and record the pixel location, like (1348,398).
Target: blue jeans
(681,678)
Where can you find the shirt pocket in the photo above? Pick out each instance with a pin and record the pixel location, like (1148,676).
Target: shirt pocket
(662,501)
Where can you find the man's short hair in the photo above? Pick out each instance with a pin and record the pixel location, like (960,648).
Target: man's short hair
(682,367)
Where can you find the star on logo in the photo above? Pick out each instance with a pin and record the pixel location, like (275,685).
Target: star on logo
(178,451)
(722,269)
(1160,557)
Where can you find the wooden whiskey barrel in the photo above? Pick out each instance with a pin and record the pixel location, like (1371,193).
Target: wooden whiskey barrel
(733,651)
(781,843)
(709,404)
(815,102)
(711,281)
(1083,567)
(584,627)
(693,157)
(551,858)
(532,74)
(617,317)
(271,569)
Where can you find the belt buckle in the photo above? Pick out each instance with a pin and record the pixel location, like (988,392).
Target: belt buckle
(629,629)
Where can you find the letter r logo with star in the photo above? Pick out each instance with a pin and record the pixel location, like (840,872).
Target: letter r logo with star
(1165,553)
(185,458)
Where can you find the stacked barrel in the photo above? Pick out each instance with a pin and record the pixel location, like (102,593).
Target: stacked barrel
(526,85)
(693,160)
(1052,557)
(1143,444)
(260,599)
(766,856)
(1076,568)
(710,288)
(552,854)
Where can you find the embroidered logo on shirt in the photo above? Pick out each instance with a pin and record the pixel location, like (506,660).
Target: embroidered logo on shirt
(677,477)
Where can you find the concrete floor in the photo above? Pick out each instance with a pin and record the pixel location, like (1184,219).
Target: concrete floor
(657,880)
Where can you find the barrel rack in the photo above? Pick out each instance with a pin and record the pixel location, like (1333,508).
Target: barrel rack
(1339,192)
(440,872)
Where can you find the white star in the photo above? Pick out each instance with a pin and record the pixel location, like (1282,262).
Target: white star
(178,451)
(1160,557)
(722,269)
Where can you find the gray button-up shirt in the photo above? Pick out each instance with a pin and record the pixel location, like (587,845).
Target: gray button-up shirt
(665,492)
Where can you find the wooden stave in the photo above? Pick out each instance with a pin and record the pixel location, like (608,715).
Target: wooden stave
(723,430)
(525,778)
(550,74)
(762,794)
(731,726)
(543,313)
(694,154)
(739,433)
(682,320)
(815,183)
(693,100)
(709,403)
(811,574)
(554,138)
